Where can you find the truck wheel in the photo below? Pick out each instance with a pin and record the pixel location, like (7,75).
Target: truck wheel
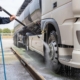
(27,43)
(15,40)
(18,44)
(53,62)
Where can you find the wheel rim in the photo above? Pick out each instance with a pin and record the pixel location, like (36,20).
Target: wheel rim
(53,50)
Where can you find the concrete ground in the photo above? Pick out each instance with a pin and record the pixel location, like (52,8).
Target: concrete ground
(7,43)
(14,69)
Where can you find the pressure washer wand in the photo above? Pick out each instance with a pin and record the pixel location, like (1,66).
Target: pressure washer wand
(18,21)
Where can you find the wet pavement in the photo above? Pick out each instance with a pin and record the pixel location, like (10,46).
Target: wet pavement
(14,69)
(15,72)
(38,63)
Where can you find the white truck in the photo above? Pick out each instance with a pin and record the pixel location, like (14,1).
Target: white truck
(57,22)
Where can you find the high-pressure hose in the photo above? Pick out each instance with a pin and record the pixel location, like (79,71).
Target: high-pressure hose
(5,78)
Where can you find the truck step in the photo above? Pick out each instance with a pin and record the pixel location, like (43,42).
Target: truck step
(65,58)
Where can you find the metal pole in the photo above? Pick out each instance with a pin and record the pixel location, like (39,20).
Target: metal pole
(3,58)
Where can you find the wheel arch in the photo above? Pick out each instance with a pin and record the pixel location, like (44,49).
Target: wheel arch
(51,24)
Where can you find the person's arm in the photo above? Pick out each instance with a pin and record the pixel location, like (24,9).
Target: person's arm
(5,20)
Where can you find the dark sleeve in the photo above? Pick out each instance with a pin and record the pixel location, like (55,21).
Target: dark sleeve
(4,20)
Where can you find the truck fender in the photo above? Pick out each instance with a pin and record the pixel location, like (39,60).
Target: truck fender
(44,24)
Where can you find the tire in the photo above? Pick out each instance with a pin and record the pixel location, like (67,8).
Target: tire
(27,43)
(15,40)
(18,44)
(52,57)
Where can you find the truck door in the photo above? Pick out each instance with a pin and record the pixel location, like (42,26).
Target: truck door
(36,44)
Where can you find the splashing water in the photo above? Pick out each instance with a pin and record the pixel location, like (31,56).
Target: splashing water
(47,51)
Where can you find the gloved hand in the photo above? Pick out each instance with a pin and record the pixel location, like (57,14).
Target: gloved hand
(0,8)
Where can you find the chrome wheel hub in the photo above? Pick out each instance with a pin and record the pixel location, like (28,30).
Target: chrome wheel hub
(53,50)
